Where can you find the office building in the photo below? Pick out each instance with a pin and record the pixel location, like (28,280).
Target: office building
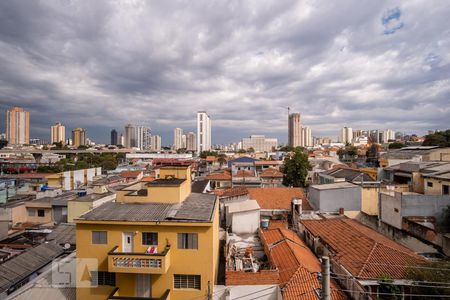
(191,142)
(156,241)
(259,143)
(203,131)
(346,135)
(177,138)
(389,135)
(57,133)
(17,126)
(295,130)
(137,136)
(307,140)
(121,140)
(113,137)
(155,143)
(78,137)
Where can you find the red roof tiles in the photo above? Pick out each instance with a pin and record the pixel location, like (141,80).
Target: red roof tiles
(219,176)
(278,197)
(272,173)
(231,192)
(297,265)
(130,174)
(361,250)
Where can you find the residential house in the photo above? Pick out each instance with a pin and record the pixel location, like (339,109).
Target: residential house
(369,186)
(220,180)
(278,202)
(271,177)
(414,153)
(359,256)
(339,197)
(142,242)
(132,176)
(298,267)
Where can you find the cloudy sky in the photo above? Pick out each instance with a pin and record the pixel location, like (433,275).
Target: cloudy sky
(102,64)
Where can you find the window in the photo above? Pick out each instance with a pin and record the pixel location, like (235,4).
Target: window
(31,212)
(429,184)
(99,237)
(103,278)
(186,281)
(150,238)
(445,190)
(41,213)
(187,241)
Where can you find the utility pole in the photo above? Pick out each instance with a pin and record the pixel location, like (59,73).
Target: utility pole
(325,278)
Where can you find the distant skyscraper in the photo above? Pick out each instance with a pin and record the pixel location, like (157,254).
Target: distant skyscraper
(307,140)
(113,137)
(295,130)
(259,143)
(346,135)
(121,139)
(57,133)
(178,138)
(17,126)
(156,142)
(78,137)
(389,135)
(137,136)
(191,142)
(203,131)
(183,139)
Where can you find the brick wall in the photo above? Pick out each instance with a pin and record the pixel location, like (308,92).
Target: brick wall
(249,278)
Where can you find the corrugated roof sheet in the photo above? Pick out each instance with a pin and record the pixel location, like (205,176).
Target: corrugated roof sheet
(23,265)
(196,207)
(63,234)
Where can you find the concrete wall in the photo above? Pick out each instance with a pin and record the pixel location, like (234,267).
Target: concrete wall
(78,178)
(90,173)
(333,199)
(66,183)
(245,222)
(369,200)
(395,206)
(436,188)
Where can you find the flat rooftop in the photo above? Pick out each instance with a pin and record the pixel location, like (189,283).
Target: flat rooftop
(336,185)
(196,208)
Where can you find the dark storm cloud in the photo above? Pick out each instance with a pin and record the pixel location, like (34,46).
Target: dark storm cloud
(101,64)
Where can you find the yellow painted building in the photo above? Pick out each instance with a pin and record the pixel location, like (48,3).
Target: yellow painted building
(157,241)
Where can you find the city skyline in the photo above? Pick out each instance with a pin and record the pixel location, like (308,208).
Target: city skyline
(385,65)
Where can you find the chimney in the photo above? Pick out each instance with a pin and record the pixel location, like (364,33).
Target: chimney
(297,205)
(341,211)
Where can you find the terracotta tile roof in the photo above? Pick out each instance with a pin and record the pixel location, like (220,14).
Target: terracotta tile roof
(219,176)
(271,172)
(211,158)
(278,197)
(244,173)
(275,224)
(130,174)
(231,192)
(361,250)
(148,178)
(297,265)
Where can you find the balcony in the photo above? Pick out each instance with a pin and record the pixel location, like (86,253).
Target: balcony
(139,263)
(115,294)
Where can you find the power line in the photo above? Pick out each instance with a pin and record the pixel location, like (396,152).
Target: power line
(393,294)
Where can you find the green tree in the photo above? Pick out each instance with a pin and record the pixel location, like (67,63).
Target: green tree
(396,145)
(439,138)
(204,154)
(3,143)
(241,151)
(296,168)
(386,286)
(433,271)
(286,148)
(222,159)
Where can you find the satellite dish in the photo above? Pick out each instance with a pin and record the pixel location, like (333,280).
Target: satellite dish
(67,246)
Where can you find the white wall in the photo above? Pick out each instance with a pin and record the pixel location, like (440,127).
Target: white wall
(245,222)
